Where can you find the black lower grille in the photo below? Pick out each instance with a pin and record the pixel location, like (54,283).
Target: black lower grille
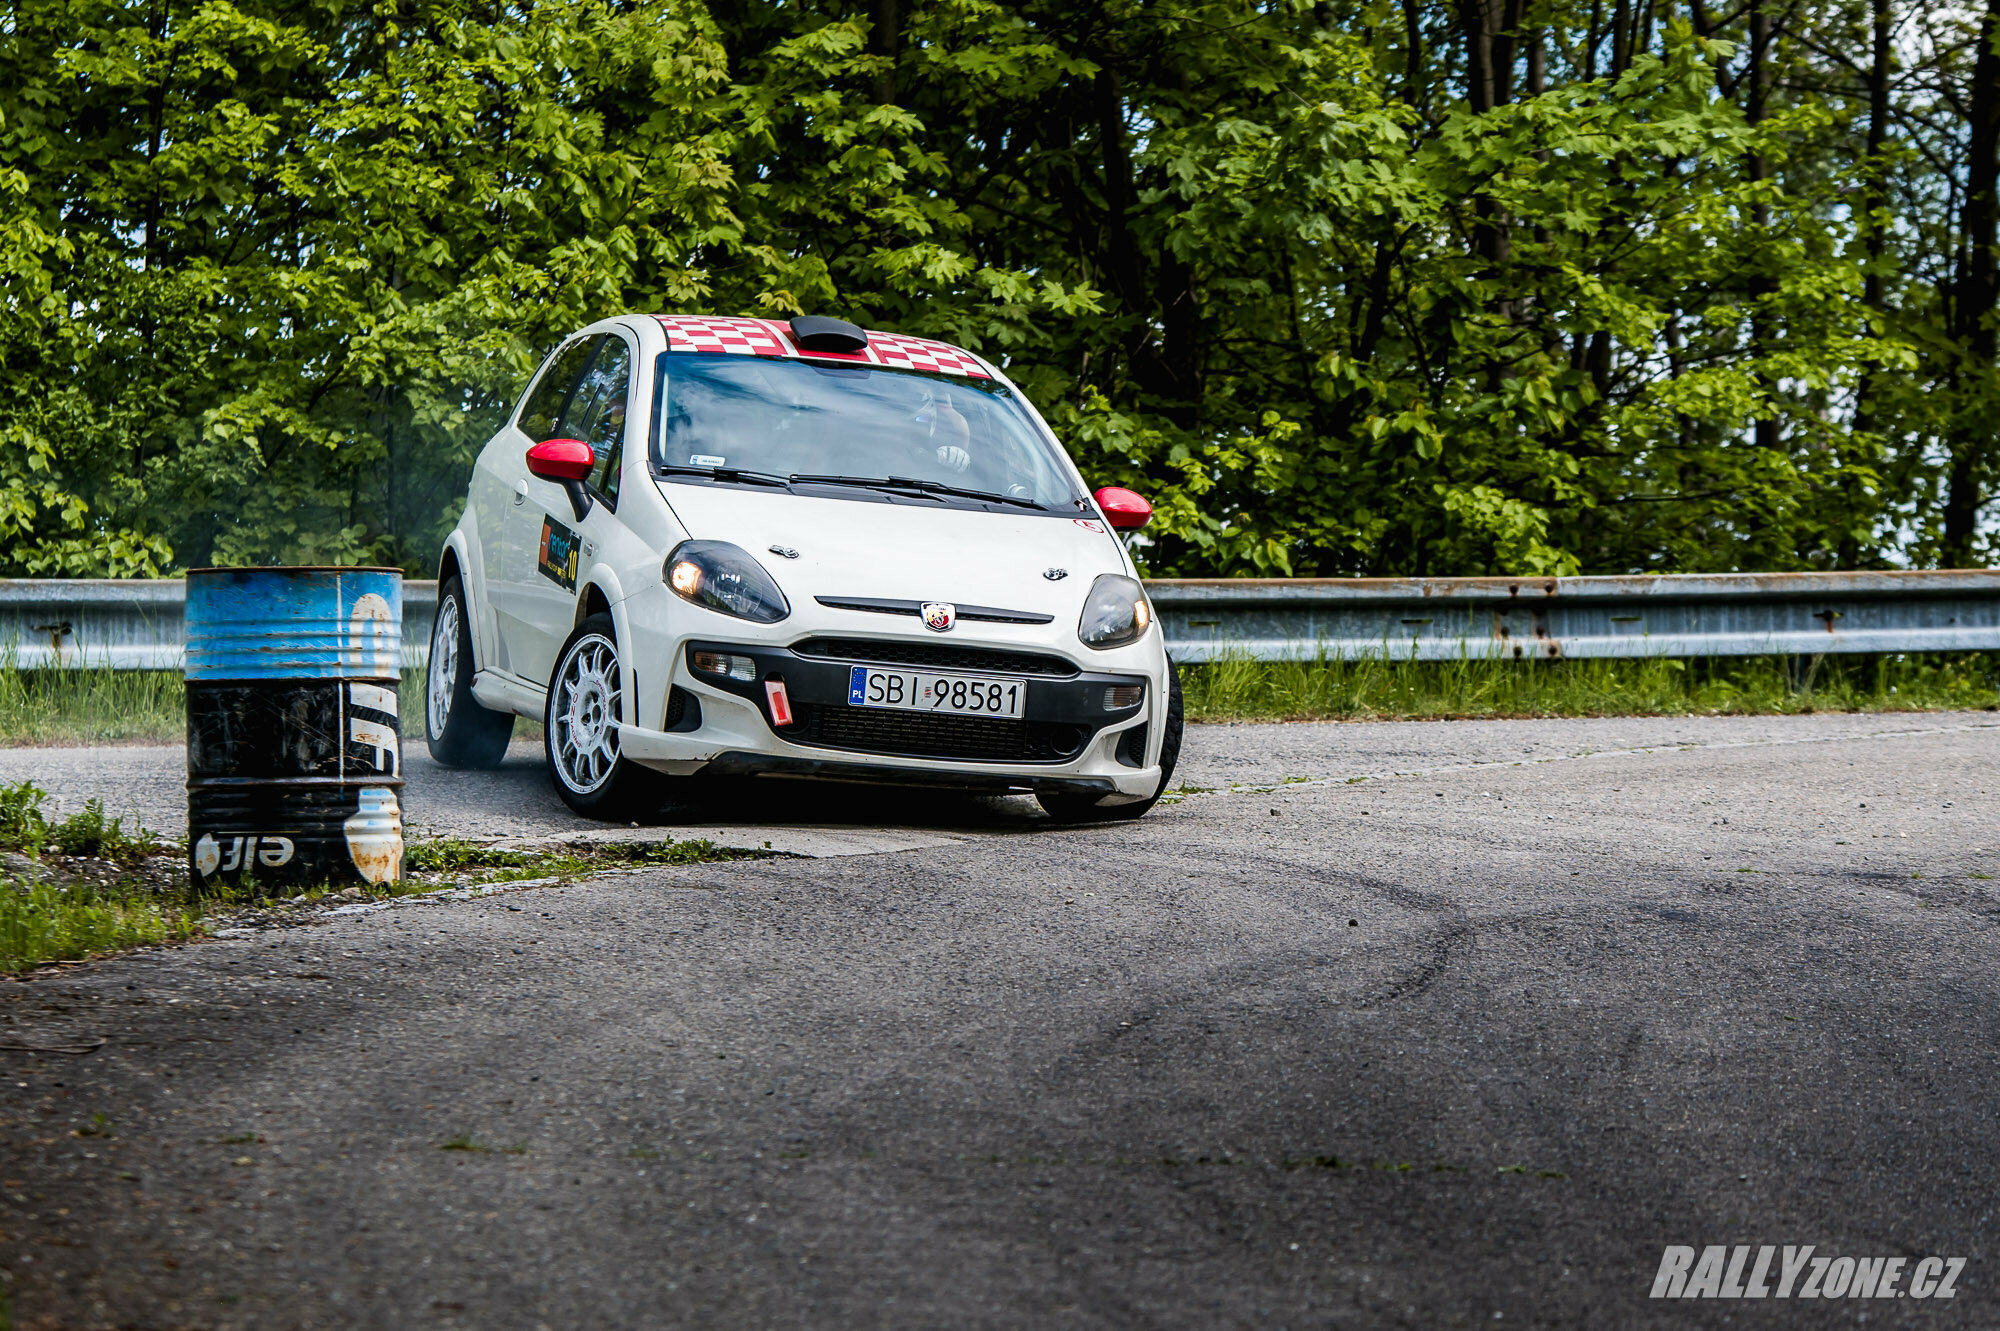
(934,656)
(978,739)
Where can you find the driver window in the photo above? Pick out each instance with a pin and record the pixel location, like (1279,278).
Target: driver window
(596,413)
(545,403)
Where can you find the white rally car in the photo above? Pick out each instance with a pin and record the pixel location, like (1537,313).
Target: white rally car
(750,547)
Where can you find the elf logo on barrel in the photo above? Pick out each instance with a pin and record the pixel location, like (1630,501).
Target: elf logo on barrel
(269,851)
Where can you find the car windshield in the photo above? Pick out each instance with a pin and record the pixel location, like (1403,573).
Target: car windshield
(948,438)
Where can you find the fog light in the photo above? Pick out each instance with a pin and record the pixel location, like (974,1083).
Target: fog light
(742,668)
(1118,697)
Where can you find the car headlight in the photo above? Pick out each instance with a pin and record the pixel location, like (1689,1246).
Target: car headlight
(724,577)
(1116,612)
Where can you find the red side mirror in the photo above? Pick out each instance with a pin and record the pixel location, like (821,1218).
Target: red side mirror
(1123,509)
(563,460)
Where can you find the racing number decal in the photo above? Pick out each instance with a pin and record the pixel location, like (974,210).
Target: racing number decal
(557,561)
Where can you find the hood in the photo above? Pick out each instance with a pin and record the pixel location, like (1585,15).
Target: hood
(905,551)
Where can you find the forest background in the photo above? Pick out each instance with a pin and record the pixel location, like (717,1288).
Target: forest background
(1360,287)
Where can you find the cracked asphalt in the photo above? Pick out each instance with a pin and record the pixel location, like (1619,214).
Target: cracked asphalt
(1453,1025)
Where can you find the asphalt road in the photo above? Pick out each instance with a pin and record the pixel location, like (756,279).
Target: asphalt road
(1467,1045)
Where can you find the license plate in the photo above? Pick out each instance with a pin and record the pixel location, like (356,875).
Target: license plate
(918,691)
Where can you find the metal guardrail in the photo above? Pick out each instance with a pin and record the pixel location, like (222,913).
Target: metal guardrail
(136,625)
(1682,614)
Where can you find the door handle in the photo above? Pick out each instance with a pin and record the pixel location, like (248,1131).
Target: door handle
(520,492)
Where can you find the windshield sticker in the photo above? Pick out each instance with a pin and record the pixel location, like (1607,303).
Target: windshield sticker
(706,460)
(557,560)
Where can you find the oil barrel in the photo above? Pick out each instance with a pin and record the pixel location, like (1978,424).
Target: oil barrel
(295,769)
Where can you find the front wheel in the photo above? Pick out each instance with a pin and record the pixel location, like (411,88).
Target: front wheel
(459,731)
(1085,809)
(580,730)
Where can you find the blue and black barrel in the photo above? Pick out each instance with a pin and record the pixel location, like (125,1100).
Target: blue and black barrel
(295,769)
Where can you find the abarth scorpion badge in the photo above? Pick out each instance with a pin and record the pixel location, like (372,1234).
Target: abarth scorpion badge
(939,616)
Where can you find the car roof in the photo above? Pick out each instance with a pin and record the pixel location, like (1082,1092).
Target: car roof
(771,337)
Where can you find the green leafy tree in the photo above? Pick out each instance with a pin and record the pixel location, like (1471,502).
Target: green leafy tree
(1510,286)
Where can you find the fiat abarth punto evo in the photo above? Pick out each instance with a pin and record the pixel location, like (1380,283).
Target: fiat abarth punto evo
(762,548)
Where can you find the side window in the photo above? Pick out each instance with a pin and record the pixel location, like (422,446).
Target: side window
(545,404)
(596,413)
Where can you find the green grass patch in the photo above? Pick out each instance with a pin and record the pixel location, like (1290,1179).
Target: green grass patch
(42,921)
(78,706)
(433,862)
(87,885)
(74,706)
(82,886)
(1242,690)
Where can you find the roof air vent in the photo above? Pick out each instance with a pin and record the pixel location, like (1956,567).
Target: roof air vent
(815,333)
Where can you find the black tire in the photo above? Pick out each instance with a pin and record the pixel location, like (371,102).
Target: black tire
(1085,809)
(589,773)
(466,734)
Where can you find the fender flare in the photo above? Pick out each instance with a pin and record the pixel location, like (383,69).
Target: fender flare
(458,548)
(604,581)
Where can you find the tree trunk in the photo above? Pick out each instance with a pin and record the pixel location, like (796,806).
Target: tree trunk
(1122,258)
(1874,202)
(1974,306)
(885,38)
(1766,432)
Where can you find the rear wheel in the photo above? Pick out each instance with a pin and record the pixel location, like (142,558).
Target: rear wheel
(580,730)
(1085,809)
(459,731)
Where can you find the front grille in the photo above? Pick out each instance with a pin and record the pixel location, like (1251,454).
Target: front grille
(935,656)
(978,739)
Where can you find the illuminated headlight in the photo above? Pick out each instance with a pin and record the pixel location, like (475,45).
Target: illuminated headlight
(725,664)
(1115,613)
(724,578)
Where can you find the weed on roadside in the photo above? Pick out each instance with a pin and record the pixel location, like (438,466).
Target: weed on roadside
(455,860)
(81,886)
(87,834)
(86,885)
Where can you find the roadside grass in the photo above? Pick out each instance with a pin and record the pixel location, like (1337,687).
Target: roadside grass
(76,706)
(1378,690)
(82,886)
(73,705)
(87,885)
(431,864)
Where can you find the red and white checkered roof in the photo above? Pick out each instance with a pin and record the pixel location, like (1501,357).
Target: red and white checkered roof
(770,337)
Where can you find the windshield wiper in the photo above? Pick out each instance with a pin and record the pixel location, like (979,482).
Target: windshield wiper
(959,491)
(888,484)
(914,487)
(728,474)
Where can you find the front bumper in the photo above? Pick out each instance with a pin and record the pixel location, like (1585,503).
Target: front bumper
(1066,740)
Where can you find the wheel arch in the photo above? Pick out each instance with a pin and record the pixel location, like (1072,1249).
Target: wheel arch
(601,595)
(456,557)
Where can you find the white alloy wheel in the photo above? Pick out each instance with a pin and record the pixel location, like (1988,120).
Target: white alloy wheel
(584,714)
(442,676)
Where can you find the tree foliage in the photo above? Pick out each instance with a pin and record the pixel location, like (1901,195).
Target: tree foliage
(1517,286)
